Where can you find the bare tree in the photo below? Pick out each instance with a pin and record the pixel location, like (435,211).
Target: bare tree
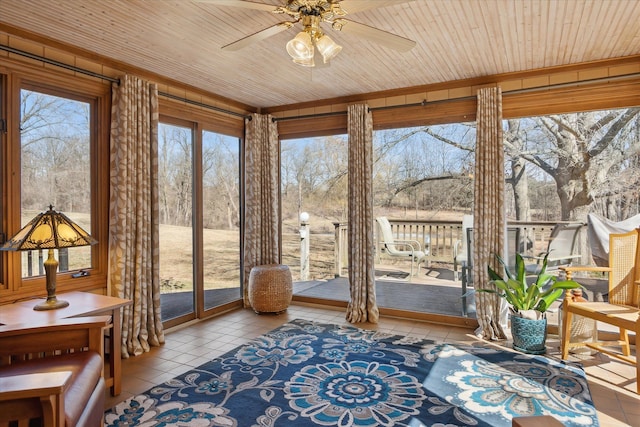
(55,150)
(314,177)
(515,141)
(581,152)
(175,175)
(221,174)
(424,167)
(584,153)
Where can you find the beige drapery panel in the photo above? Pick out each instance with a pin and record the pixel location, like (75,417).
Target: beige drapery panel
(133,213)
(488,212)
(262,216)
(362,306)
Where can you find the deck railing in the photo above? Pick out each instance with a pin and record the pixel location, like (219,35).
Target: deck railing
(440,237)
(63,261)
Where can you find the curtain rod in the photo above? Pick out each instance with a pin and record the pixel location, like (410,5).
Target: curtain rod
(578,83)
(307,116)
(386,107)
(200,104)
(58,64)
(425,102)
(111,79)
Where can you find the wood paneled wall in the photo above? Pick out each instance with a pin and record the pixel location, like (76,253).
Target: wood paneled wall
(582,87)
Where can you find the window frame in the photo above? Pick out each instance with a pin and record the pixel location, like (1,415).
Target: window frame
(98,95)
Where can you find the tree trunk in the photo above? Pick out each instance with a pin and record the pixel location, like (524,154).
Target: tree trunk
(230,217)
(520,185)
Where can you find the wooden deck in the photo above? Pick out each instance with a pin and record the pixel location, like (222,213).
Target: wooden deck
(431,295)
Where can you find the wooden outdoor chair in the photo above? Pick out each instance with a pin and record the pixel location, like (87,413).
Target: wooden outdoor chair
(622,309)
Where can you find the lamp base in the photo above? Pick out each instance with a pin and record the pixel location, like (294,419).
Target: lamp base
(51,304)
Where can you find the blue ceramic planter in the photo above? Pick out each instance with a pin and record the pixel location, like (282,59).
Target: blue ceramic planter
(529,336)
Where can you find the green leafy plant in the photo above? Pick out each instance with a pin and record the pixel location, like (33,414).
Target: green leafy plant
(522,293)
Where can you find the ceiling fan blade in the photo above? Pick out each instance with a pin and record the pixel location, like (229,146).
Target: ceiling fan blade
(376,35)
(241,3)
(260,35)
(353,6)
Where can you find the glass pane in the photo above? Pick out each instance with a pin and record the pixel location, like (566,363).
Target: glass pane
(55,170)
(423,186)
(314,181)
(221,218)
(577,167)
(175,182)
(572,180)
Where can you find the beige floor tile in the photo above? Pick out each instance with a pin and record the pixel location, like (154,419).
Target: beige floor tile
(612,383)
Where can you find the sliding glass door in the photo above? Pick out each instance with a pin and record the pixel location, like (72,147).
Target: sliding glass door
(199,192)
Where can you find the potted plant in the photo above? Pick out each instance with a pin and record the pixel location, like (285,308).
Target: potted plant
(528,299)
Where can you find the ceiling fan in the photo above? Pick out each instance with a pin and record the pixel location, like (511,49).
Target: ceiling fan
(310,14)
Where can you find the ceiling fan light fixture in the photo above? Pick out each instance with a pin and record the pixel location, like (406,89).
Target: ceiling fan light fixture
(328,48)
(311,14)
(307,62)
(300,47)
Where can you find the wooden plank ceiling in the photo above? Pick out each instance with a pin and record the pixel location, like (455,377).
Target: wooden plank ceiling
(456,39)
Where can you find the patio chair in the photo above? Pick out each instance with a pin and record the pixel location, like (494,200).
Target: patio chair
(460,252)
(563,248)
(622,309)
(513,240)
(466,267)
(395,248)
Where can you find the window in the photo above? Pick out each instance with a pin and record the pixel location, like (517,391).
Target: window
(423,185)
(564,166)
(56,153)
(3,168)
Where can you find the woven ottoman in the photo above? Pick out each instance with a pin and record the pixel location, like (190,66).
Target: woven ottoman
(270,288)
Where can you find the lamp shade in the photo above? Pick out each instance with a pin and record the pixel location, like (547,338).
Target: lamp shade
(49,230)
(300,47)
(327,48)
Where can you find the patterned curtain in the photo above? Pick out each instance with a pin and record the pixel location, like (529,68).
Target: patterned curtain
(262,216)
(489,215)
(133,213)
(362,306)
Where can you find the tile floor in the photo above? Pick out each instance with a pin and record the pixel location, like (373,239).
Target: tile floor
(612,383)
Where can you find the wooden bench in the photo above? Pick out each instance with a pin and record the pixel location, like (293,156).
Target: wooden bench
(622,309)
(53,373)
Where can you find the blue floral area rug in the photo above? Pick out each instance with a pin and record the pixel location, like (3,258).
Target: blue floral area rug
(312,374)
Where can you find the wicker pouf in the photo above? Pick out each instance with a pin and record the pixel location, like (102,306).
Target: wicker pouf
(270,288)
